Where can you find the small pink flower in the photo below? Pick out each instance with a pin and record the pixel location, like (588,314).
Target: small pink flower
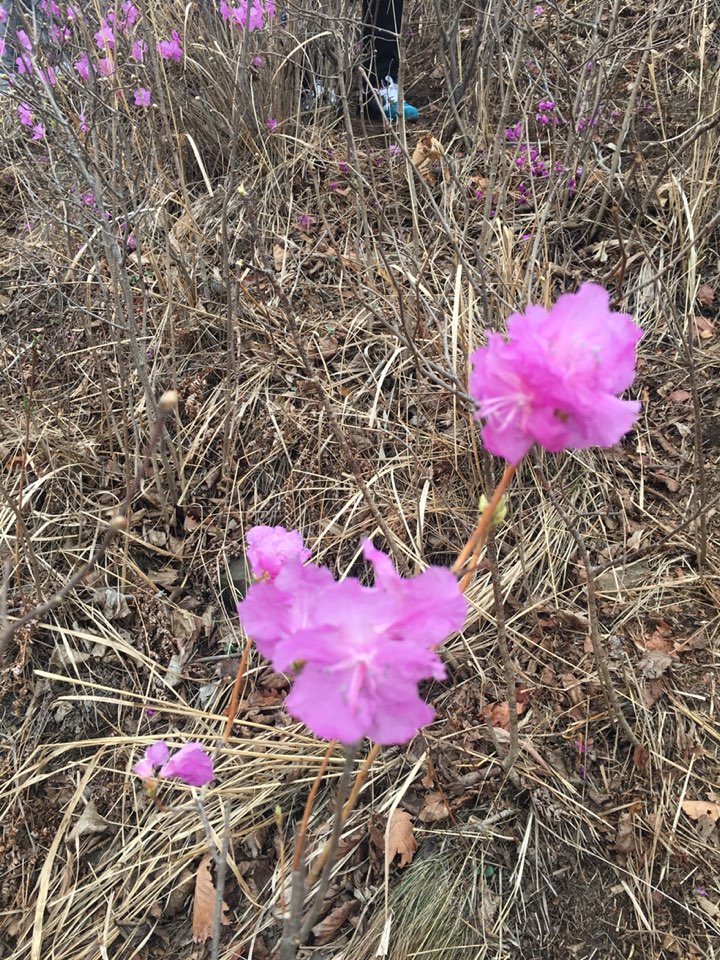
(271,123)
(105,38)
(155,755)
(305,221)
(170,49)
(394,150)
(257,61)
(142,97)
(270,548)
(138,50)
(38,131)
(25,114)
(82,65)
(83,123)
(555,380)
(190,764)
(24,40)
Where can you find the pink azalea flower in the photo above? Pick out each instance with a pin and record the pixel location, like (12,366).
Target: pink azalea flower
(24,40)
(554,380)
(106,66)
(25,114)
(105,36)
(273,611)
(82,65)
(270,548)
(271,123)
(358,652)
(190,764)
(142,97)
(170,49)
(155,755)
(38,131)
(137,51)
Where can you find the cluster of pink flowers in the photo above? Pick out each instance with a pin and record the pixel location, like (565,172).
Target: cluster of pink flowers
(190,763)
(546,113)
(254,19)
(357,653)
(555,380)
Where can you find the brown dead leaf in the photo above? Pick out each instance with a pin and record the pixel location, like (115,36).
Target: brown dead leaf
(325,931)
(625,836)
(400,838)
(652,691)
(701,808)
(204,903)
(654,664)
(705,295)
(499,713)
(704,328)
(677,396)
(434,808)
(660,640)
(427,156)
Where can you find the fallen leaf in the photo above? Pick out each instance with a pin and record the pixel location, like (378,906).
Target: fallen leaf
(640,756)
(701,808)
(677,396)
(89,822)
(113,603)
(325,931)
(654,664)
(704,328)
(705,295)
(652,691)
(660,640)
(490,904)
(400,838)
(434,808)
(204,903)
(426,157)
(499,713)
(625,835)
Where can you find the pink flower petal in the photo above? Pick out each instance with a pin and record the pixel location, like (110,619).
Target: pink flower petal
(190,764)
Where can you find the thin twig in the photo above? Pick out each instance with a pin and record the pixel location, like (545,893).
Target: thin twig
(609,692)
(343,786)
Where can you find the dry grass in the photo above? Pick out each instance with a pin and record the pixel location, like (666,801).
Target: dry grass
(392,282)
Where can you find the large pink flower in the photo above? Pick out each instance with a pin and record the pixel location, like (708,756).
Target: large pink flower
(554,380)
(358,652)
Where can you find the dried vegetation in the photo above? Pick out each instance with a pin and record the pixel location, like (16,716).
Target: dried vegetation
(394,271)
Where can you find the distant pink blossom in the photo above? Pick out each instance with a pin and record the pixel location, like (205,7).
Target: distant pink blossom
(38,131)
(257,61)
(170,49)
(82,65)
(105,36)
(106,66)
(239,16)
(24,40)
(554,380)
(138,50)
(142,97)
(270,548)
(271,123)
(190,763)
(25,114)
(357,652)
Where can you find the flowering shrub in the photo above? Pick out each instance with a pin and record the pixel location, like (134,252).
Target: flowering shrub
(357,653)
(554,380)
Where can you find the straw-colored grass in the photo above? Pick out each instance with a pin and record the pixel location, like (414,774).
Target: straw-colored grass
(587,852)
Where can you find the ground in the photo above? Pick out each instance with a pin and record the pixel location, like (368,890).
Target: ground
(312,292)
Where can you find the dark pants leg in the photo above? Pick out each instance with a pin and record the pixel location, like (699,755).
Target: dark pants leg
(381,26)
